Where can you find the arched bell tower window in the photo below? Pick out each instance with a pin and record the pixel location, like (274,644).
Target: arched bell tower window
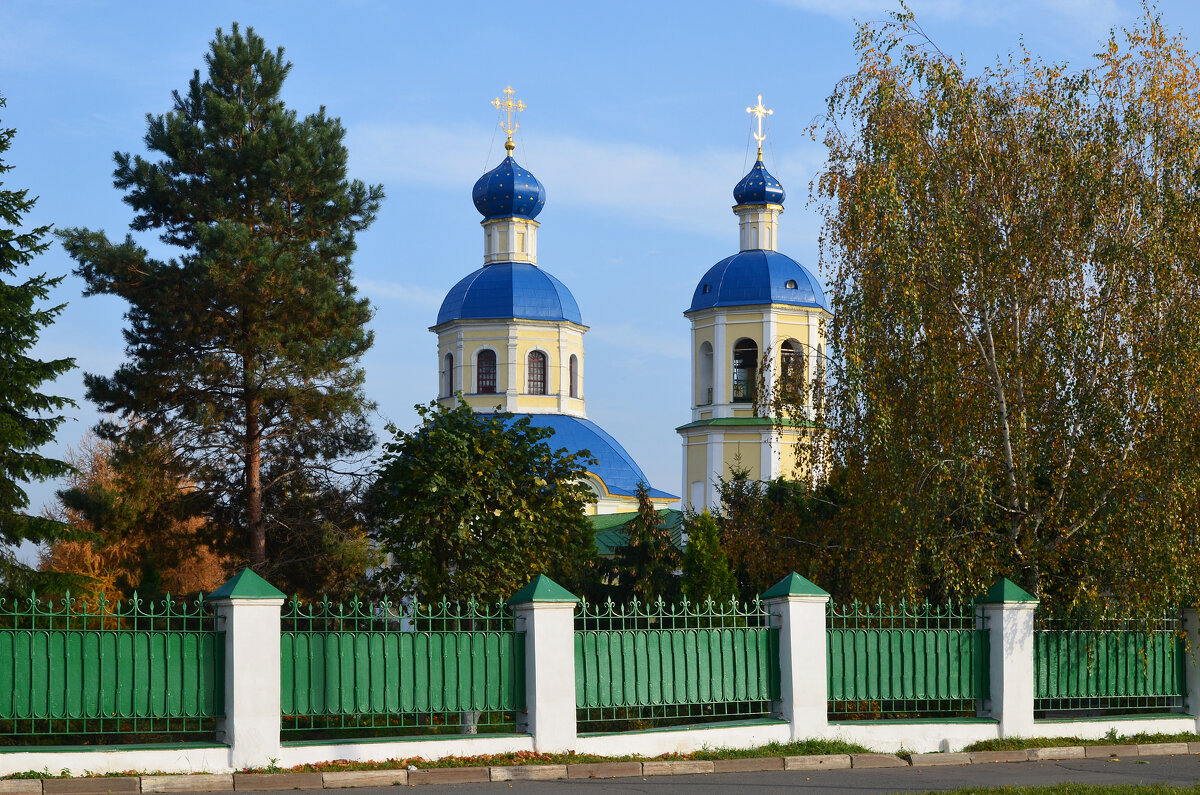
(704,375)
(573,366)
(791,370)
(448,375)
(485,372)
(536,367)
(745,370)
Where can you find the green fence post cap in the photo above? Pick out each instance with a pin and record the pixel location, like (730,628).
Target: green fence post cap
(1005,590)
(793,585)
(247,585)
(542,589)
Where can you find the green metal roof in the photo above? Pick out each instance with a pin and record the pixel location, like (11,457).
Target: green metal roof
(247,585)
(794,585)
(1006,591)
(542,589)
(610,537)
(747,422)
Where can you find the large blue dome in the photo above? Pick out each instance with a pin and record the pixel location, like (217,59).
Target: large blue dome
(614,466)
(508,191)
(758,276)
(759,187)
(509,290)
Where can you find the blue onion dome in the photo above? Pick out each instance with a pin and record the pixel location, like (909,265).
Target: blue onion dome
(758,276)
(758,187)
(508,191)
(509,290)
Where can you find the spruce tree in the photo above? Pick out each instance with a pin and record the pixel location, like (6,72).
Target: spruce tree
(243,350)
(706,570)
(28,417)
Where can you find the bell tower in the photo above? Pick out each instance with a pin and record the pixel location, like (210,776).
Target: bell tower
(756,309)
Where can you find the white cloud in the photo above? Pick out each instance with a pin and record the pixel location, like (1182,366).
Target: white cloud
(685,190)
(404,293)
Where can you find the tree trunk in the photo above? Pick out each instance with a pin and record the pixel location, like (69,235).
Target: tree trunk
(254,516)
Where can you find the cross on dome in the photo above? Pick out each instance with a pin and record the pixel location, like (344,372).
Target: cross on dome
(510,107)
(760,111)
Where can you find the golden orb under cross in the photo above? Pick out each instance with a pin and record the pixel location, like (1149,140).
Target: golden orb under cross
(510,107)
(761,112)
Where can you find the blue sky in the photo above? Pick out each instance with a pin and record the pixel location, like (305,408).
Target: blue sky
(636,125)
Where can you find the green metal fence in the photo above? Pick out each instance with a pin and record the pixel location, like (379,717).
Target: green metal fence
(648,665)
(1108,667)
(75,669)
(388,668)
(891,661)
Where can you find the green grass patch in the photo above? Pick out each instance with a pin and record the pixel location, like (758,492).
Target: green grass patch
(1074,789)
(1021,743)
(797,748)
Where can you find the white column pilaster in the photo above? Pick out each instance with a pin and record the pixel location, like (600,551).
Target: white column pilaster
(720,369)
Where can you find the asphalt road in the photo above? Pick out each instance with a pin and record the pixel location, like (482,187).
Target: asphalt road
(1173,770)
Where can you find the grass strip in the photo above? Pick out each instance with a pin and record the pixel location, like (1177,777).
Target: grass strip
(1021,743)
(1073,789)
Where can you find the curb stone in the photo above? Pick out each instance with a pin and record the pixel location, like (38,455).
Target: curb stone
(1105,751)
(450,775)
(750,765)
(21,786)
(91,786)
(937,760)
(876,760)
(196,782)
(817,762)
(604,770)
(364,778)
(1058,752)
(677,767)
(979,757)
(529,772)
(276,781)
(1162,749)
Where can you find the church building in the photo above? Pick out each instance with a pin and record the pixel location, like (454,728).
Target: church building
(510,335)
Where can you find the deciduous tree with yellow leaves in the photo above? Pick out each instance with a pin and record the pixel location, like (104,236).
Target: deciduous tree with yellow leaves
(1015,263)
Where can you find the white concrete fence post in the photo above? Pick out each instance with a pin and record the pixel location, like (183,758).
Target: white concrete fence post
(548,613)
(249,610)
(1191,666)
(1009,611)
(799,607)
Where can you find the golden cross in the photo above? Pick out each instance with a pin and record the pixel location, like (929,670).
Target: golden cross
(510,107)
(760,111)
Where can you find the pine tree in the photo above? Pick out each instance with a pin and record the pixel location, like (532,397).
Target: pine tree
(243,351)
(27,416)
(706,570)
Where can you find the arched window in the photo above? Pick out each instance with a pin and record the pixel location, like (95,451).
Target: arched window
(448,375)
(573,365)
(485,372)
(536,368)
(791,371)
(704,375)
(745,370)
